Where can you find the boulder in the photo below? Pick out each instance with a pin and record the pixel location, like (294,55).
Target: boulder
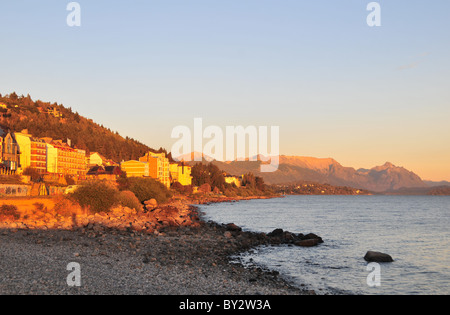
(288,237)
(233,227)
(151,203)
(312,236)
(308,243)
(205,188)
(276,233)
(378,257)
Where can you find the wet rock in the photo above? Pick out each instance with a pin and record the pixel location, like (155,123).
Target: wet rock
(308,243)
(233,227)
(378,257)
(288,237)
(276,233)
(312,236)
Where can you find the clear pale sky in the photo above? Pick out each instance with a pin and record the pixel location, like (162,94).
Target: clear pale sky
(336,87)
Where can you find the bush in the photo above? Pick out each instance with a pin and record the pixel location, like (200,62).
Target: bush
(97,196)
(205,188)
(208,174)
(231,192)
(39,206)
(66,207)
(146,188)
(184,190)
(9,211)
(128,199)
(69,180)
(34,174)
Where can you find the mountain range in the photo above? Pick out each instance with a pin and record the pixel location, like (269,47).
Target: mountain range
(45,119)
(387,177)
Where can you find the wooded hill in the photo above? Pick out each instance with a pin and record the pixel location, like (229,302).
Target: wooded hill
(44,119)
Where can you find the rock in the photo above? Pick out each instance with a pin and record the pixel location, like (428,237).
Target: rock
(312,236)
(233,227)
(151,204)
(205,188)
(288,237)
(378,257)
(308,243)
(276,233)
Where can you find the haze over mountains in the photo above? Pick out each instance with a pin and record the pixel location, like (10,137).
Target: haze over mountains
(293,169)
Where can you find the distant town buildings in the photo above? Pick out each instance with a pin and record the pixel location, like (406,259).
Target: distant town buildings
(21,150)
(181,174)
(157,166)
(230,179)
(69,161)
(96,159)
(38,158)
(135,168)
(9,157)
(108,172)
(54,111)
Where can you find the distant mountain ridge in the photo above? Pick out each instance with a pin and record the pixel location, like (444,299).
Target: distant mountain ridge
(437,184)
(387,177)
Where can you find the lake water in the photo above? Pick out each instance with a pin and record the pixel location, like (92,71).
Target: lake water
(414,230)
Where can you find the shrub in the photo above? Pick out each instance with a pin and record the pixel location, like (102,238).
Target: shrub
(147,188)
(39,206)
(184,190)
(205,188)
(231,192)
(66,207)
(34,174)
(128,199)
(97,196)
(9,211)
(69,180)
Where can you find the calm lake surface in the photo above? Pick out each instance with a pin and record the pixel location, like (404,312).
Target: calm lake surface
(414,230)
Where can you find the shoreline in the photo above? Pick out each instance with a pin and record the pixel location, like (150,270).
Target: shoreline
(176,260)
(262,242)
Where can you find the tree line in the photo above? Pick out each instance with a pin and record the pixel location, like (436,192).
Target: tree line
(210,174)
(24,113)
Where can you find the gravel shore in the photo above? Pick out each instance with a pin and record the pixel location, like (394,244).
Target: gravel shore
(181,261)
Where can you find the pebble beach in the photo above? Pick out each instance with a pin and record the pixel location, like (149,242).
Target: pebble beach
(175,261)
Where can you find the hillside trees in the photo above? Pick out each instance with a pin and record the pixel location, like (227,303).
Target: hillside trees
(83,132)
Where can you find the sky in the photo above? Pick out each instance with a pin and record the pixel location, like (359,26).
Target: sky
(335,86)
